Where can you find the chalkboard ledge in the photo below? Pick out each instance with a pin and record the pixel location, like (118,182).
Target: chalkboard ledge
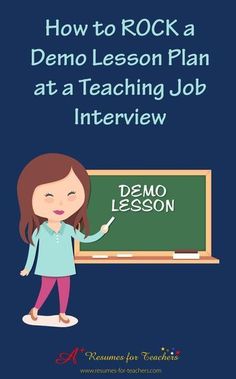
(145,260)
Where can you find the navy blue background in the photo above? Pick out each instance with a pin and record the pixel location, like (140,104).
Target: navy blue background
(121,307)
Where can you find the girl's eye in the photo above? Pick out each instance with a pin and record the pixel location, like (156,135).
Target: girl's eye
(48,195)
(71,193)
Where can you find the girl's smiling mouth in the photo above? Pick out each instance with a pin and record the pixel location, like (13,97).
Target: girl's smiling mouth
(59,212)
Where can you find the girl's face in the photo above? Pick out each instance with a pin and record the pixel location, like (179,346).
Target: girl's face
(56,201)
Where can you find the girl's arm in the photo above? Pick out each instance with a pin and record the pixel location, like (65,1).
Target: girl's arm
(32,251)
(77,235)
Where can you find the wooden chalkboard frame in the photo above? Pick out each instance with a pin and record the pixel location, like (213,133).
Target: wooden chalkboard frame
(154,256)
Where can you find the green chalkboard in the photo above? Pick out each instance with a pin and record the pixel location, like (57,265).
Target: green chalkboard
(182,227)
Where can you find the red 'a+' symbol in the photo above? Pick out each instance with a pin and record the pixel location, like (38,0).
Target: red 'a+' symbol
(66,357)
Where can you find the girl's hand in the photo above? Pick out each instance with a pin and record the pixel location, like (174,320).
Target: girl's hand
(24,272)
(104,229)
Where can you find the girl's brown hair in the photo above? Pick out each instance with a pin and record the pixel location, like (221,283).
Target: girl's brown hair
(43,169)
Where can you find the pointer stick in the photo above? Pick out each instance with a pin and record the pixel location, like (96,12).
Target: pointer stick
(110,221)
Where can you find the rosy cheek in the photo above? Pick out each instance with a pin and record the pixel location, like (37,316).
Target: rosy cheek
(72,197)
(49,200)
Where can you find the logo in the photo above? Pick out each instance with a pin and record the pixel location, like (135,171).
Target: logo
(164,354)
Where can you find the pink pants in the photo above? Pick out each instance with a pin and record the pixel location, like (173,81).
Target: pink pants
(47,285)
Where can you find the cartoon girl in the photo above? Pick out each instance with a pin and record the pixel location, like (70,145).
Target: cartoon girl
(53,193)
